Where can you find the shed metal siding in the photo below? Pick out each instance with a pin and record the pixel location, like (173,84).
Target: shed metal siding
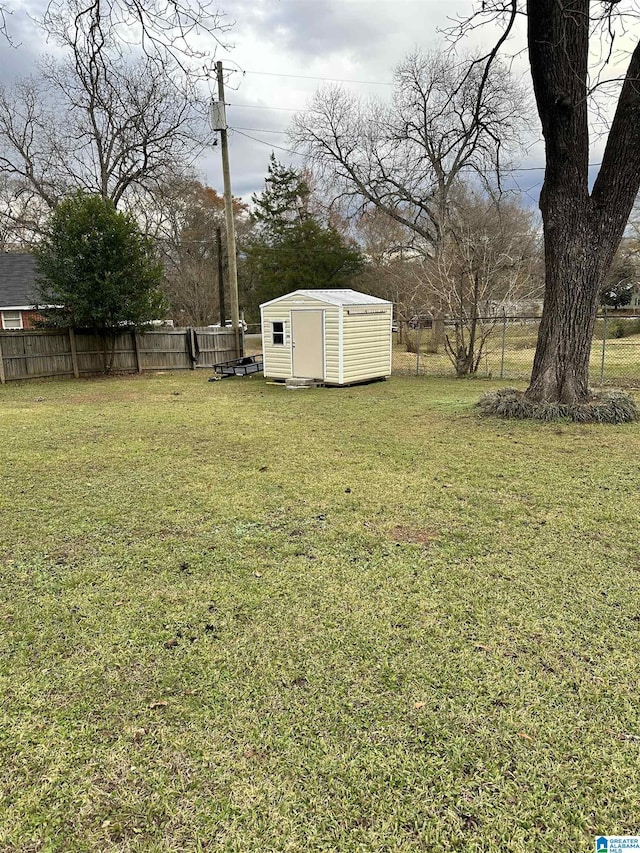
(332,344)
(276,358)
(366,342)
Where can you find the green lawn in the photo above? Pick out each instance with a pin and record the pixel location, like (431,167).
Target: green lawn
(238,618)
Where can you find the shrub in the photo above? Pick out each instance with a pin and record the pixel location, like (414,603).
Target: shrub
(624,327)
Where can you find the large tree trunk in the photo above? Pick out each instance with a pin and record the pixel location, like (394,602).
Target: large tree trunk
(582,230)
(576,260)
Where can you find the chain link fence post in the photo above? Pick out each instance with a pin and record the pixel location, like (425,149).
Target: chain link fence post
(504,339)
(604,346)
(418,334)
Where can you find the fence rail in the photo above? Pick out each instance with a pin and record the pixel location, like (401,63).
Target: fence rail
(31,354)
(508,350)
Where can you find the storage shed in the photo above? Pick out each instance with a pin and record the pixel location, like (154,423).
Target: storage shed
(338,337)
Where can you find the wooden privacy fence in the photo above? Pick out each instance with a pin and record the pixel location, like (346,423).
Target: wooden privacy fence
(68,352)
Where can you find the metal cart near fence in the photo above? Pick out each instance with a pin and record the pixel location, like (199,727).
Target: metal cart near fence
(237,367)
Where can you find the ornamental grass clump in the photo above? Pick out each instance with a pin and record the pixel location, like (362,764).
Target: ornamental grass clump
(609,407)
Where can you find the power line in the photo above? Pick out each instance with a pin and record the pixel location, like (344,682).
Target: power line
(513,171)
(261,130)
(284,132)
(264,142)
(538,168)
(299,154)
(324,79)
(260,107)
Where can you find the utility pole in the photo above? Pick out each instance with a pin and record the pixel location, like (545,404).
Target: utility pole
(220,276)
(219,123)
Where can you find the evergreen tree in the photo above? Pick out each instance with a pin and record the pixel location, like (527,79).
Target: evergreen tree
(95,269)
(619,283)
(291,249)
(285,199)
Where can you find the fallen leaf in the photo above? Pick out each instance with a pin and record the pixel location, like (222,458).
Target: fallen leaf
(139,734)
(161,704)
(483,647)
(106,823)
(258,574)
(419,704)
(524,736)
(171,644)
(118,604)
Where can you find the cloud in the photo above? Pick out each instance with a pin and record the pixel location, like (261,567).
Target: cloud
(25,45)
(311,29)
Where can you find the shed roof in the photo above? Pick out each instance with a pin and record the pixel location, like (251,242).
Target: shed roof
(334,297)
(17,280)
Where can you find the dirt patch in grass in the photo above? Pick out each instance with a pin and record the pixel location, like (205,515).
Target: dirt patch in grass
(400,533)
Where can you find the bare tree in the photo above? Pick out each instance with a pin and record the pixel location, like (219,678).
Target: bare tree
(446,120)
(23,215)
(93,121)
(448,123)
(392,266)
(488,266)
(583,225)
(184,33)
(183,219)
(488,263)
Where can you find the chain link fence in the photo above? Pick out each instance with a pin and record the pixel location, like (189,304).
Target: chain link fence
(508,345)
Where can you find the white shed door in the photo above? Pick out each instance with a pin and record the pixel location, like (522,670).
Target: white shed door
(307,344)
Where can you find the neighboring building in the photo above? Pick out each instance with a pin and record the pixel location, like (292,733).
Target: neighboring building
(338,337)
(17,291)
(512,308)
(635,297)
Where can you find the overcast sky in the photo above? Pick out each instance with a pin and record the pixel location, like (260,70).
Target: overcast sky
(280,51)
(284,49)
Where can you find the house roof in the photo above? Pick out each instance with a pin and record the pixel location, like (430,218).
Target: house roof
(334,297)
(17,280)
